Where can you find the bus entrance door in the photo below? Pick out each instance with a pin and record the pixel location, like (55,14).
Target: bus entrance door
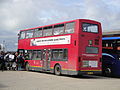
(46,60)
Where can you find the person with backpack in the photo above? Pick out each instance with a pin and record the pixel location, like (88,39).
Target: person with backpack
(9,59)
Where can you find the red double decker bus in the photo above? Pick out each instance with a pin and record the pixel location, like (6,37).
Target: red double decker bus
(71,47)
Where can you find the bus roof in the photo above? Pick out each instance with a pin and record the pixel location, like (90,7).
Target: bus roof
(59,23)
(111,32)
(110,38)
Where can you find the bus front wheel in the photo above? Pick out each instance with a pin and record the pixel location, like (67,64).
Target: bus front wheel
(57,70)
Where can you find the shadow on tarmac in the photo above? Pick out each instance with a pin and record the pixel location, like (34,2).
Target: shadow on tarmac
(80,76)
(3,86)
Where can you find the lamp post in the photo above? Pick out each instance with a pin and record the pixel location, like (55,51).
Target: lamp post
(3,45)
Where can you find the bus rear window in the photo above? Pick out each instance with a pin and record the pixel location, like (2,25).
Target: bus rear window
(88,27)
(93,50)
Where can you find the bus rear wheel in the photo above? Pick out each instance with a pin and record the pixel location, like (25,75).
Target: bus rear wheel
(57,70)
(27,66)
(107,72)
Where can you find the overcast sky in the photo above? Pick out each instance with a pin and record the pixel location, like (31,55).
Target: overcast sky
(21,14)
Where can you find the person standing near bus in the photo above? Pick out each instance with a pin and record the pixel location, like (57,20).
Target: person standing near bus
(20,61)
(14,64)
(11,60)
(2,60)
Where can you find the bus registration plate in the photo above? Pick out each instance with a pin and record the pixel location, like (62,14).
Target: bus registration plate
(89,72)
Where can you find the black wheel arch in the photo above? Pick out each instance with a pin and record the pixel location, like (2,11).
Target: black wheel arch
(57,64)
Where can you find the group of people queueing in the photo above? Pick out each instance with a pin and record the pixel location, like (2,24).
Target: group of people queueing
(11,61)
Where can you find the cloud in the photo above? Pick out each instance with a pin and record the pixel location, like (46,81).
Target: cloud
(21,14)
(104,11)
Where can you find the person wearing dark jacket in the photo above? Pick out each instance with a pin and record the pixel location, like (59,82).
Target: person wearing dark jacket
(2,61)
(14,65)
(20,61)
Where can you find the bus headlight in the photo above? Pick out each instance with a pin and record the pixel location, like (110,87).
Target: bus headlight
(118,58)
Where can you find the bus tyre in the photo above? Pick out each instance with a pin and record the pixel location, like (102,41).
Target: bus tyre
(57,70)
(107,72)
(27,66)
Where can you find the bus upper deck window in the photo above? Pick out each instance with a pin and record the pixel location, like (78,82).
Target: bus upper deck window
(70,27)
(88,27)
(47,31)
(58,29)
(22,35)
(38,32)
(29,34)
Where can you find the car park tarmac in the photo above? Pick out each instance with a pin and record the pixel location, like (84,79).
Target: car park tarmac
(23,80)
